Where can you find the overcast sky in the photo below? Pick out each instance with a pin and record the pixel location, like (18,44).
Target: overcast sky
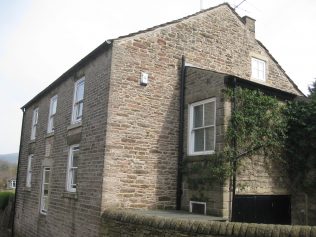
(40,40)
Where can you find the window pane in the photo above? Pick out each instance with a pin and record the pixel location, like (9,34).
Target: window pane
(198,116)
(72,168)
(199,140)
(209,139)
(45,190)
(45,203)
(74,176)
(79,109)
(209,118)
(260,65)
(54,106)
(51,124)
(30,163)
(46,186)
(80,89)
(34,123)
(258,69)
(47,176)
(35,118)
(29,171)
(75,159)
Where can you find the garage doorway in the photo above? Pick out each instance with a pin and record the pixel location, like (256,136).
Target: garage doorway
(267,209)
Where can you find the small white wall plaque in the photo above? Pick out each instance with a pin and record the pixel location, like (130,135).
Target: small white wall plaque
(144,79)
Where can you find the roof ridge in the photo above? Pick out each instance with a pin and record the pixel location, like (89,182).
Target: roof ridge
(108,43)
(177,21)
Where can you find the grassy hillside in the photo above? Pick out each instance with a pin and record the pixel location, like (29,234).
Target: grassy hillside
(7,171)
(11,158)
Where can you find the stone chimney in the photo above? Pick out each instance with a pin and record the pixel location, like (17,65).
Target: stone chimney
(250,23)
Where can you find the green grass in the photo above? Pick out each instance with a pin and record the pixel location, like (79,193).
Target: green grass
(4,198)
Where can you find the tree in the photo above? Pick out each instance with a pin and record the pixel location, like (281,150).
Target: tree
(312,90)
(301,142)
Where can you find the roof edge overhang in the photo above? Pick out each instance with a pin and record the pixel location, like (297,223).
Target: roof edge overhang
(279,66)
(266,89)
(101,48)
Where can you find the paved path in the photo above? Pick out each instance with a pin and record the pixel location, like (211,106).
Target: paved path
(179,215)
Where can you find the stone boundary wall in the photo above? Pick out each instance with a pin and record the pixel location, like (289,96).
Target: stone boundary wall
(132,223)
(6,215)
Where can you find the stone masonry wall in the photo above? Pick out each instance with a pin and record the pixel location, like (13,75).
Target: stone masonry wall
(136,224)
(69,214)
(259,176)
(201,85)
(142,130)
(255,176)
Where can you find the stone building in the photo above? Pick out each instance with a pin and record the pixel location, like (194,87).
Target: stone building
(11,183)
(105,134)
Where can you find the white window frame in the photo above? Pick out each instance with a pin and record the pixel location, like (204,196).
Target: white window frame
(13,183)
(76,104)
(44,196)
(191,130)
(29,171)
(52,113)
(70,186)
(258,66)
(34,123)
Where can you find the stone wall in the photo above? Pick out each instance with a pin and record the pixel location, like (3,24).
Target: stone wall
(255,176)
(303,208)
(259,176)
(200,85)
(142,137)
(6,215)
(69,214)
(136,224)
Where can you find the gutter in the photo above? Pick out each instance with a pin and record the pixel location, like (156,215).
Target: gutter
(266,89)
(17,173)
(181,128)
(234,163)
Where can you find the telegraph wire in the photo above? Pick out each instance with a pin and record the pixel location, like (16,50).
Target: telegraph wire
(239,4)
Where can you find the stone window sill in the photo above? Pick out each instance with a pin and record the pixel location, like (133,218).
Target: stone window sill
(28,189)
(49,134)
(75,125)
(70,195)
(199,158)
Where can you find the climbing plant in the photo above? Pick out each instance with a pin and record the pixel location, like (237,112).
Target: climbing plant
(263,125)
(257,126)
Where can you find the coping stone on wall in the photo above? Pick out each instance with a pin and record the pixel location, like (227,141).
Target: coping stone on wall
(313,231)
(189,227)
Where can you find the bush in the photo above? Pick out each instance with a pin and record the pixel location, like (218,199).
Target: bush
(4,199)
(301,142)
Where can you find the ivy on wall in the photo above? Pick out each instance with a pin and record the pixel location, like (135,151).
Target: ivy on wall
(262,125)
(257,127)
